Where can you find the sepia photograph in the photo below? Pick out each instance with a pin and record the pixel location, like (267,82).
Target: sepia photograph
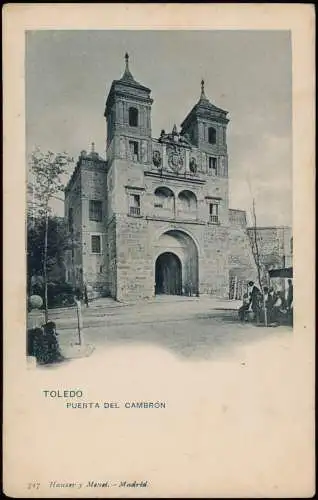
(163,174)
(155,184)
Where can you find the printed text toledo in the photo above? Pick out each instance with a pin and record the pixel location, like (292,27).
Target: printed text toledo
(72,397)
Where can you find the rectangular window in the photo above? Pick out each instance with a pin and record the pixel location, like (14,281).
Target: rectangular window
(134,204)
(212,165)
(95,210)
(133,148)
(96,243)
(214,213)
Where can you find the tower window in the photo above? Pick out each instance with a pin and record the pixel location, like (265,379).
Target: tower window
(212,135)
(134,204)
(96,243)
(212,165)
(133,117)
(134,150)
(214,213)
(95,210)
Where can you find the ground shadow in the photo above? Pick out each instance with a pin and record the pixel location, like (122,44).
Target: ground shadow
(208,335)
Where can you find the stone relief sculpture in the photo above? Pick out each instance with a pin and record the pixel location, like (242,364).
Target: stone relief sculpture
(175,159)
(156,158)
(193,166)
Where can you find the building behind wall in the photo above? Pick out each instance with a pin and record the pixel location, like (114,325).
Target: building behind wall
(154,216)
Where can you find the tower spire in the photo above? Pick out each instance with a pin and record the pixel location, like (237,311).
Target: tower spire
(127,75)
(203,96)
(127,60)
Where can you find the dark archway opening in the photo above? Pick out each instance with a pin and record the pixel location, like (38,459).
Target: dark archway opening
(168,274)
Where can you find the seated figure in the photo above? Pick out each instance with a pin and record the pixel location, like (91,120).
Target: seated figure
(242,312)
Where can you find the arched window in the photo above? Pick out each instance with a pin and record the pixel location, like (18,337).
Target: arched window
(164,198)
(212,135)
(187,201)
(133,117)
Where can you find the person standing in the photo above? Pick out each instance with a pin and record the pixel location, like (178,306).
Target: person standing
(290,293)
(85,293)
(254,296)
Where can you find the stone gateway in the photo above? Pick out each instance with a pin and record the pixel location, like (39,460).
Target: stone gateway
(154,218)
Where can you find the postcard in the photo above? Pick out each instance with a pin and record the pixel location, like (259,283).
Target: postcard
(159,250)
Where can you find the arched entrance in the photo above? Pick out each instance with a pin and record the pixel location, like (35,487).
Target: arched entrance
(178,272)
(168,274)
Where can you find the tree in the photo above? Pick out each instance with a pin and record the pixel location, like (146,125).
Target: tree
(57,243)
(46,172)
(254,241)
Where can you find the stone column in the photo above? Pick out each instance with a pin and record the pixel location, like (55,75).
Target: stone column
(164,157)
(187,160)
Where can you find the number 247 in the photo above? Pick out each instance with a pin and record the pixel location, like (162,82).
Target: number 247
(33,486)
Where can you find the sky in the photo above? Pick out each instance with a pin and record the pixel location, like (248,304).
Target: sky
(248,73)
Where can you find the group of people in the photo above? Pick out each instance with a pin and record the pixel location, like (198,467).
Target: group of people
(42,343)
(267,306)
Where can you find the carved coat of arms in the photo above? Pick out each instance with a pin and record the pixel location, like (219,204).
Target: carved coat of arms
(175,159)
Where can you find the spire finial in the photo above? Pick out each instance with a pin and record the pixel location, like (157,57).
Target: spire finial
(127,75)
(202,90)
(93,147)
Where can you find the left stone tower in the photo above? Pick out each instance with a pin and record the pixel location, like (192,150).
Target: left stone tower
(128,115)
(128,151)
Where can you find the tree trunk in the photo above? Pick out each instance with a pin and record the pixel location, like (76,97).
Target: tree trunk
(46,312)
(258,262)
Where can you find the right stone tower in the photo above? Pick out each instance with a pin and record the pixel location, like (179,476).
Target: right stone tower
(205,127)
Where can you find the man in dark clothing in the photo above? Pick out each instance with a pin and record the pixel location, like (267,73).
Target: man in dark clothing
(254,296)
(85,294)
(290,294)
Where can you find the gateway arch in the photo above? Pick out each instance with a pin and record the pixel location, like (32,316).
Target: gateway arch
(176,264)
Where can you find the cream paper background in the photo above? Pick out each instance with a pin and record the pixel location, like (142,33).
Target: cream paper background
(227,430)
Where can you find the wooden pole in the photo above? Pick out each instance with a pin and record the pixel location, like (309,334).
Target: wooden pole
(46,313)
(79,321)
(258,263)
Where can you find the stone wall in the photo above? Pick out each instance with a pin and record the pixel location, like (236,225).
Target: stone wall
(94,188)
(73,263)
(274,245)
(214,268)
(111,279)
(134,261)
(241,260)
(203,248)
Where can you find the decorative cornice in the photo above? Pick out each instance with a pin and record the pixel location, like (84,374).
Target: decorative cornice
(179,178)
(176,220)
(135,188)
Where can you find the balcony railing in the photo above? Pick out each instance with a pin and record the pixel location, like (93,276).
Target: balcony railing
(135,211)
(214,219)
